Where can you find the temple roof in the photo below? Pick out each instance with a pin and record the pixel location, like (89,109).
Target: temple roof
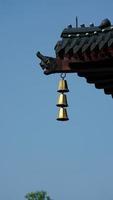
(82,39)
(87,51)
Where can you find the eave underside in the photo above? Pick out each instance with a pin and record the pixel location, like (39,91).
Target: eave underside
(99,73)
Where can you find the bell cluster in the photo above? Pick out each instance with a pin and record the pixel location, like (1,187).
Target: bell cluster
(62,100)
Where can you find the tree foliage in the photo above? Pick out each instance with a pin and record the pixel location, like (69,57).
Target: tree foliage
(39,195)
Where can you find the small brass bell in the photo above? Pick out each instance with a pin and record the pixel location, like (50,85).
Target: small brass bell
(63,87)
(62,114)
(62,101)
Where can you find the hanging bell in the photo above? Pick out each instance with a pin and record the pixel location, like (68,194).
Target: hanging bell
(63,87)
(62,114)
(62,101)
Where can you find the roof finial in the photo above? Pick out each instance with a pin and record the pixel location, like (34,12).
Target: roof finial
(76,22)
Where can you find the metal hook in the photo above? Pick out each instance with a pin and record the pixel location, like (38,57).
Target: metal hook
(63,75)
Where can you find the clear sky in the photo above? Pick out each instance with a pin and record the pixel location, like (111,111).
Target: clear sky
(69,160)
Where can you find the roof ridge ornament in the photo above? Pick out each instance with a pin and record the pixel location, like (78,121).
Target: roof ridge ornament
(105,23)
(76,22)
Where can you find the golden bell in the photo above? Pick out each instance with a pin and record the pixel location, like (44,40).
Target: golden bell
(63,87)
(62,115)
(62,101)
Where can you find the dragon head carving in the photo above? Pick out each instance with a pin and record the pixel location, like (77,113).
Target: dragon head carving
(48,64)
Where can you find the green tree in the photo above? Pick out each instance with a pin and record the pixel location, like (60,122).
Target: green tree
(39,195)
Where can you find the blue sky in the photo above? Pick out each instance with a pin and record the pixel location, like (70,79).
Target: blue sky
(71,160)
